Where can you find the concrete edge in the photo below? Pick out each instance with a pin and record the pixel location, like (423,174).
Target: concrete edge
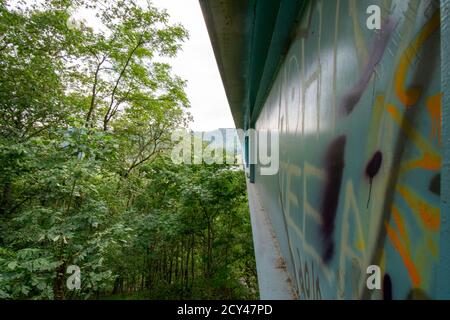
(273,279)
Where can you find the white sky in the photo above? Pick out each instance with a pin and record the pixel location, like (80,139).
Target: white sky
(197,64)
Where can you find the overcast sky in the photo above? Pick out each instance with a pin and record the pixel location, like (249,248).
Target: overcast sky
(197,64)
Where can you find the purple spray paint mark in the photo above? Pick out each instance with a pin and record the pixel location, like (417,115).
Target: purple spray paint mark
(372,169)
(352,97)
(435,184)
(387,287)
(334,168)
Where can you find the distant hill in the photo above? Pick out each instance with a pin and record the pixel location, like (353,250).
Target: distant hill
(230,138)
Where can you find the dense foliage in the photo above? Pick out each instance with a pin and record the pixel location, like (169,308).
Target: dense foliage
(85,122)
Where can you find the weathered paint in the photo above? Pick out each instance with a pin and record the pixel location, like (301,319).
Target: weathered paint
(359,115)
(444,270)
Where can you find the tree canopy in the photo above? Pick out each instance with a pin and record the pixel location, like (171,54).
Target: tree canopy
(86,116)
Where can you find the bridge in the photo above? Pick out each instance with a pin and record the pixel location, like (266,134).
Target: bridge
(357,93)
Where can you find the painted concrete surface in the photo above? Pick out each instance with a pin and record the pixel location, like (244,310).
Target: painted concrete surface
(273,280)
(444,272)
(359,115)
(362,115)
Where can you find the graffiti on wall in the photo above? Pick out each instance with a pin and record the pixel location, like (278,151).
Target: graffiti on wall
(359,117)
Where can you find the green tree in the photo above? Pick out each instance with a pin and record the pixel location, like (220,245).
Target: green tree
(86,115)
